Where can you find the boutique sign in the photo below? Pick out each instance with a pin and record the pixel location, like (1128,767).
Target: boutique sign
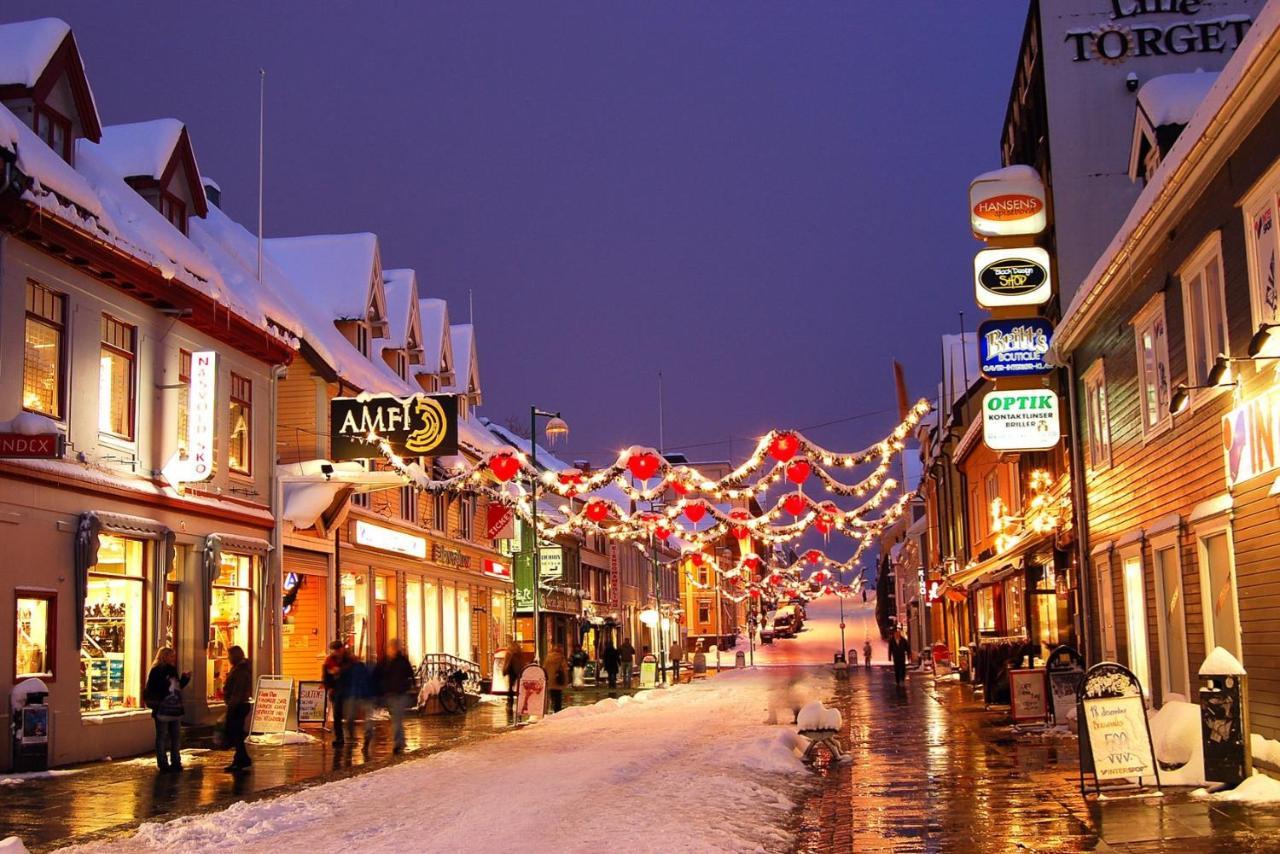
(1014,348)
(1145,28)
(1020,420)
(415,426)
(1012,277)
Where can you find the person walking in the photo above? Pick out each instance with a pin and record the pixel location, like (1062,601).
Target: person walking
(237,690)
(394,678)
(676,654)
(358,700)
(512,667)
(163,695)
(627,659)
(898,649)
(611,662)
(866,653)
(557,676)
(334,675)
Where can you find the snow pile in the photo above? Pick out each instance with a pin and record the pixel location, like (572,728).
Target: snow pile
(1221,663)
(1258,789)
(26,48)
(30,424)
(1175,732)
(1264,750)
(656,756)
(141,148)
(1171,99)
(281,738)
(817,716)
(190,756)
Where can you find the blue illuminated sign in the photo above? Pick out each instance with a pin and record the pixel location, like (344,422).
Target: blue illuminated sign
(1014,348)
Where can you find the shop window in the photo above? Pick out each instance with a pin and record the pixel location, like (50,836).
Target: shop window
(116,378)
(1204,305)
(230,618)
(1097,422)
(986,602)
(43,368)
(1151,338)
(1014,604)
(431,617)
(408,504)
(355,611)
(1135,613)
(415,648)
(35,635)
(240,445)
(704,613)
(449,618)
(113,652)
(465,649)
(1259,211)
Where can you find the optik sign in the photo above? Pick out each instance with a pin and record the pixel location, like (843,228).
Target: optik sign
(1014,348)
(1020,420)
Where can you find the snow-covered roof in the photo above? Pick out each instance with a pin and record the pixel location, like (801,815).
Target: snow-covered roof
(26,48)
(1171,99)
(463,343)
(142,148)
(401,289)
(51,172)
(1159,187)
(1016,172)
(334,270)
(436,346)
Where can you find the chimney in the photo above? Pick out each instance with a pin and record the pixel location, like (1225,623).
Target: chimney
(212,191)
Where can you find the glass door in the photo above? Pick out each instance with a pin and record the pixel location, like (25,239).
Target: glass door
(1135,611)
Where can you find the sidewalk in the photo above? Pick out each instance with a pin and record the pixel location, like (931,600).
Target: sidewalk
(933,770)
(104,799)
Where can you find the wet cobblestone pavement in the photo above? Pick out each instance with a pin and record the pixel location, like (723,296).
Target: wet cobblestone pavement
(107,799)
(933,770)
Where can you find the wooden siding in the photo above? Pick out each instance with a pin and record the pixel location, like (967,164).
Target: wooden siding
(1173,471)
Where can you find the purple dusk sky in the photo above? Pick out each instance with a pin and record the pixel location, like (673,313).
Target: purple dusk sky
(764,200)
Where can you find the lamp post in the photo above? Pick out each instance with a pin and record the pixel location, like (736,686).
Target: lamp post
(556,429)
(840,596)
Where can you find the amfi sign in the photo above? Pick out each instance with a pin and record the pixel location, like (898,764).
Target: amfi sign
(1020,420)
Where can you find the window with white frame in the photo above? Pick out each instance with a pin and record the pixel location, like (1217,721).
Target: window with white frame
(1205,308)
(1259,211)
(1097,423)
(1151,338)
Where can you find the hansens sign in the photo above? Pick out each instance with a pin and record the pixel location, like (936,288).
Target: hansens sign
(1014,348)
(415,426)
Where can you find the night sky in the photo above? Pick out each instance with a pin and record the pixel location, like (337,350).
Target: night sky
(764,200)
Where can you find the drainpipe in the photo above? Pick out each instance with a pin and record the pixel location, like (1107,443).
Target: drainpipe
(275,582)
(1080,510)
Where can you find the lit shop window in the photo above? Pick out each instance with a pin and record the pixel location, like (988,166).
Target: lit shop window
(112,654)
(464,624)
(240,446)
(355,612)
(184,400)
(449,618)
(431,620)
(230,618)
(1013,604)
(116,378)
(35,635)
(986,600)
(42,367)
(413,618)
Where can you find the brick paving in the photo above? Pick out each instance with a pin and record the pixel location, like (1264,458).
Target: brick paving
(933,770)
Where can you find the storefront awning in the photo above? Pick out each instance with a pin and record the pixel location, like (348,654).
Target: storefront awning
(998,567)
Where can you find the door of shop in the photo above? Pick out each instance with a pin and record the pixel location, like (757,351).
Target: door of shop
(380,628)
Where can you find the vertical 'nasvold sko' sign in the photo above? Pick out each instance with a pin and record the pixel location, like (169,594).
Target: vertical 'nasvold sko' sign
(202,390)
(1012,277)
(1007,202)
(1020,420)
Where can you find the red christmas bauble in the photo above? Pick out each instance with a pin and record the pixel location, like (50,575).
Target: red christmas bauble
(644,465)
(751,562)
(784,446)
(740,532)
(813,556)
(695,512)
(794,504)
(504,466)
(597,511)
(696,558)
(798,471)
(824,523)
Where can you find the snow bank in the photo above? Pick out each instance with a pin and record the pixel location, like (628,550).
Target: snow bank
(12,845)
(1175,732)
(30,424)
(1171,99)
(1264,749)
(565,784)
(1258,789)
(26,776)
(817,716)
(280,738)
(1221,663)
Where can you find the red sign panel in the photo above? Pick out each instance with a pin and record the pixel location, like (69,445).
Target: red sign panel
(500,522)
(497,570)
(42,447)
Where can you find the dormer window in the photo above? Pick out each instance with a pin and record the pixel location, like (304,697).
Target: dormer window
(55,130)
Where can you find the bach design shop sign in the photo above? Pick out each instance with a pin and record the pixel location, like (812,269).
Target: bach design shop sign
(416,426)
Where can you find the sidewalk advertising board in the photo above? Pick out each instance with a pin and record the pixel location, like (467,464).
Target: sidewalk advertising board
(1118,737)
(648,672)
(1029,695)
(271,702)
(499,683)
(531,701)
(312,705)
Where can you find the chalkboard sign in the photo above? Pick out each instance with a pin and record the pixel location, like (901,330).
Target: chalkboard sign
(312,704)
(1028,696)
(1118,738)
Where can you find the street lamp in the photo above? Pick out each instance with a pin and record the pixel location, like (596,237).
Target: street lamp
(556,429)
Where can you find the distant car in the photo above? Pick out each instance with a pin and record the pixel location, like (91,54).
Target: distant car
(785,622)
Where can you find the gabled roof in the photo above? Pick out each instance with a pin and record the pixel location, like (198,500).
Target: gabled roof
(154,150)
(401,289)
(335,271)
(437,346)
(28,50)
(466,377)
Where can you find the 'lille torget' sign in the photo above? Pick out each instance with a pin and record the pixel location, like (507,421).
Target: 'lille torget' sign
(1014,348)
(1007,202)
(1005,277)
(1020,420)
(415,426)
(1131,32)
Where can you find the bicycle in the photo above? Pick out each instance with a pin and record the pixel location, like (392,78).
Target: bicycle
(453,699)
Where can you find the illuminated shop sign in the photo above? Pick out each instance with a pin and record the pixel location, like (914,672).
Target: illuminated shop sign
(390,540)
(202,391)
(415,426)
(1007,202)
(1251,438)
(1014,348)
(1012,277)
(1020,420)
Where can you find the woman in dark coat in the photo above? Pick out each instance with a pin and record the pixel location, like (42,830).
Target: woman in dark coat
(611,662)
(237,691)
(163,695)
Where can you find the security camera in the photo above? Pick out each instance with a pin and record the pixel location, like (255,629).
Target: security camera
(326,469)
(1131,82)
